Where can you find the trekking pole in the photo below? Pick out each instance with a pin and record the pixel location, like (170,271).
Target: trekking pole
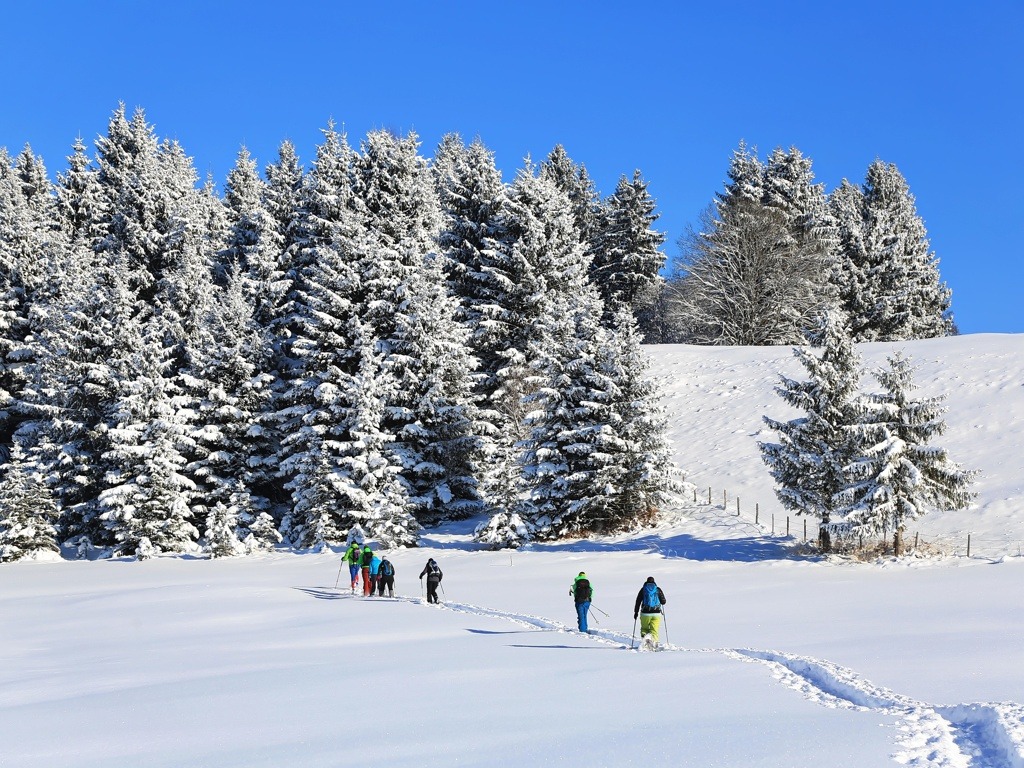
(633,638)
(341,565)
(599,611)
(442,591)
(665,617)
(596,620)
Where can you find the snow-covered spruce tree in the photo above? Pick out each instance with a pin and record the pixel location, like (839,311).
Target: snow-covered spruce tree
(901,476)
(789,187)
(472,197)
(322,352)
(233,456)
(809,462)
(83,332)
(285,179)
(376,493)
(147,186)
(568,466)
(406,311)
(626,252)
(27,513)
(577,185)
(79,199)
(440,445)
(29,245)
(254,242)
(349,474)
(538,253)
(758,273)
(147,498)
(221,540)
(649,479)
(888,279)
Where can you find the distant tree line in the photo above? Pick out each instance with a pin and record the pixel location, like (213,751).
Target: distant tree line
(379,340)
(773,252)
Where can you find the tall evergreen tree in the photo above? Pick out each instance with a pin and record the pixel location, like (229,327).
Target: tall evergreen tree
(27,513)
(626,256)
(326,286)
(890,279)
(809,461)
(146,499)
(900,477)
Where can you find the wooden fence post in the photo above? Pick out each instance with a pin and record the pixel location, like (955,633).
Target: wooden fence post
(725,500)
(968,545)
(773,523)
(737,506)
(805,529)
(709,495)
(757,513)
(787,525)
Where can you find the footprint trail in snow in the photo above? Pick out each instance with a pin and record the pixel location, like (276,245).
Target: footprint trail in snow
(983,735)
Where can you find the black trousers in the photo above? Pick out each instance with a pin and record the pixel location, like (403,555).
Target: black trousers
(385,581)
(432,590)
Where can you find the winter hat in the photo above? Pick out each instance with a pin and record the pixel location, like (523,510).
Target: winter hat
(650,579)
(582,573)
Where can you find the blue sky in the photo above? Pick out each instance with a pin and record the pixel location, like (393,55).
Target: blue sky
(667,87)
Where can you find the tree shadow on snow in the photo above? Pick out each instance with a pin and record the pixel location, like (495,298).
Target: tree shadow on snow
(324,593)
(502,632)
(563,647)
(747,549)
(686,547)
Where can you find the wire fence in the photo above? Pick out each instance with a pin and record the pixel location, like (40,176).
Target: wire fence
(804,529)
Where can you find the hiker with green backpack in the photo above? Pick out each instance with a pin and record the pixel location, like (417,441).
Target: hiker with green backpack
(582,593)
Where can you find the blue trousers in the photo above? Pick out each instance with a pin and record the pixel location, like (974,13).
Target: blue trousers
(581,615)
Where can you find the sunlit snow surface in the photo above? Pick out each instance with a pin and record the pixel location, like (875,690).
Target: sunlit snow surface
(770,658)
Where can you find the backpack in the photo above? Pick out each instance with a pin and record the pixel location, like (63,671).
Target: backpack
(651,599)
(582,591)
(432,569)
(386,568)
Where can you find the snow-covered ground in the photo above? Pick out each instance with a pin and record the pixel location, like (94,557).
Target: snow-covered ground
(770,659)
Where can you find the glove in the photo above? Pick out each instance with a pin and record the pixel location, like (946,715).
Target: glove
(634,616)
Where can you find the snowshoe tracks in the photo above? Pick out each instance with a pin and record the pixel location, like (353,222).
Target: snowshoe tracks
(983,735)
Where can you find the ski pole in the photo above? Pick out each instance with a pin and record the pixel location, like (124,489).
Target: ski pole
(599,611)
(337,581)
(665,617)
(633,638)
(596,620)
(442,591)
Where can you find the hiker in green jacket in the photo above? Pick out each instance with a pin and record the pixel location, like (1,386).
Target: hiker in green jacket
(353,557)
(582,593)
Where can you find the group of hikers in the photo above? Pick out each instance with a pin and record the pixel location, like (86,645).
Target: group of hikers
(378,573)
(648,607)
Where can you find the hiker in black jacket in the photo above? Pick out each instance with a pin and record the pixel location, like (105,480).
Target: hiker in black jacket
(648,607)
(434,576)
(386,578)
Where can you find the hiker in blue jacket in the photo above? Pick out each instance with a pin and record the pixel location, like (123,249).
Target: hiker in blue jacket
(375,562)
(582,593)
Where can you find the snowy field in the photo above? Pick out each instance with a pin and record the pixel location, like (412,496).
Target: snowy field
(771,659)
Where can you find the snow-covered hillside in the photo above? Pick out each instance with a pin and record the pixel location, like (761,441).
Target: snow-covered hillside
(770,660)
(716,398)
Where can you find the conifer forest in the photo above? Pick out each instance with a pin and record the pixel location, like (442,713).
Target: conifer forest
(390,341)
